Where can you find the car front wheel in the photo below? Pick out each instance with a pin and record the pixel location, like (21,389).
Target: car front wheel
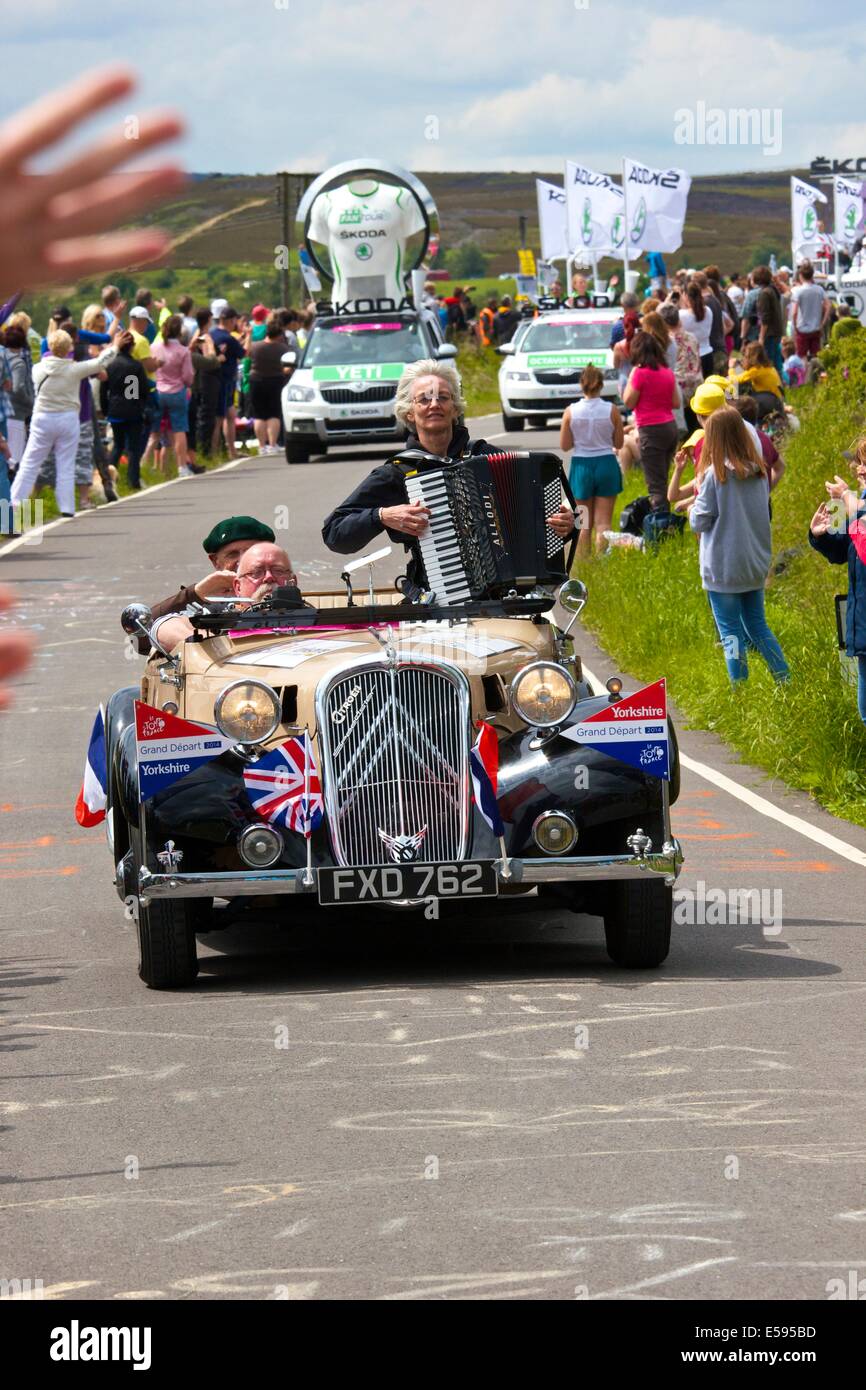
(166,932)
(637,923)
(297,453)
(512,423)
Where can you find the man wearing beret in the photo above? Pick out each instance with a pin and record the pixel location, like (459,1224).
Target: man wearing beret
(224,546)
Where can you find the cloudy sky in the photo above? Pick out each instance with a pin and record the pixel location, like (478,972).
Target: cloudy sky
(465,84)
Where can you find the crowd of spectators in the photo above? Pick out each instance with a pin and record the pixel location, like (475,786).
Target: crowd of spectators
(130,385)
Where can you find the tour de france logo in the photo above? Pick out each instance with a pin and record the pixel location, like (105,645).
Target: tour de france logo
(639,223)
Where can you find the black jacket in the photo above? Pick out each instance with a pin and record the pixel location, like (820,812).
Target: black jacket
(118,398)
(355,523)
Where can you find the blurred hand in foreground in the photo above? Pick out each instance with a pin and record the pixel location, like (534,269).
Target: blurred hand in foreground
(53,225)
(16,650)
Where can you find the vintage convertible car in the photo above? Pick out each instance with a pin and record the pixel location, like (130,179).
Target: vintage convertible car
(392,698)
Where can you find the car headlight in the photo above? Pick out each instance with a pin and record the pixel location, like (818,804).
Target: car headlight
(518,376)
(543,694)
(302,393)
(247,711)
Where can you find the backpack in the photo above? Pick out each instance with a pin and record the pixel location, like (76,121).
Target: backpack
(22,395)
(661,525)
(631,518)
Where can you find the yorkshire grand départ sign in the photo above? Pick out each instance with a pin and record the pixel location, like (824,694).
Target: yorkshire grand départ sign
(367,225)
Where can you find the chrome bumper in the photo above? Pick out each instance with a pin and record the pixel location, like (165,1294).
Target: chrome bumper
(265,882)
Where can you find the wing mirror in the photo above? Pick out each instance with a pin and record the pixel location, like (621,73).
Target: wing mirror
(573,597)
(289,359)
(136,621)
(506,349)
(445,351)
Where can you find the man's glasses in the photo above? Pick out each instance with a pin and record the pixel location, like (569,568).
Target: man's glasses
(275,573)
(428,397)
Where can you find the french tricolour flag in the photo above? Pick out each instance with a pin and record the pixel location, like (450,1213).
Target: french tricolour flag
(90,806)
(484,767)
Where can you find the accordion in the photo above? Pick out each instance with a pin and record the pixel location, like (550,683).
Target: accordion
(488,533)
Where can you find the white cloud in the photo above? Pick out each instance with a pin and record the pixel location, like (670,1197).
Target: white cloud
(511,87)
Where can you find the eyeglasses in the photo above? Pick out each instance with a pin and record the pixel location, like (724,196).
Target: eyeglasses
(276,572)
(428,398)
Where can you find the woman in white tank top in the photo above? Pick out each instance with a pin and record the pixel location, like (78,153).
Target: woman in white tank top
(591,431)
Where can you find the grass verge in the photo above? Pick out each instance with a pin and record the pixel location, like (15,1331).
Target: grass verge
(478,368)
(649,611)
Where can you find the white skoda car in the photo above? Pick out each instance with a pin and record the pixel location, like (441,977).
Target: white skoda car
(543,363)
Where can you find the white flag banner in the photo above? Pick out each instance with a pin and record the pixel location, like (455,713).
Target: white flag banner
(807,241)
(595,213)
(847,211)
(656,202)
(552,221)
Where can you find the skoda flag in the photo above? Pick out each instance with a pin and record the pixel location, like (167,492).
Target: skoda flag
(169,748)
(552,221)
(847,211)
(655,205)
(806,240)
(595,212)
(634,730)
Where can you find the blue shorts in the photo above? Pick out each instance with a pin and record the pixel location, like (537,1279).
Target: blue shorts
(595,477)
(176,406)
(226,397)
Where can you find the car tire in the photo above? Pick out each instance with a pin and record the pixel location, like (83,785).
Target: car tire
(297,453)
(637,923)
(166,932)
(512,423)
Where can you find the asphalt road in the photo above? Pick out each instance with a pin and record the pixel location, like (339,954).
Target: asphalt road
(431,1129)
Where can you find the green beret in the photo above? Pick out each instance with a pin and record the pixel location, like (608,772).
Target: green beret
(236,528)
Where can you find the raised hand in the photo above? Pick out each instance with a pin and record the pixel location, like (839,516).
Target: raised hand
(821,521)
(53,225)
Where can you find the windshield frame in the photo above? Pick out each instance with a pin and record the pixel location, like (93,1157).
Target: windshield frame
(344,326)
(601,335)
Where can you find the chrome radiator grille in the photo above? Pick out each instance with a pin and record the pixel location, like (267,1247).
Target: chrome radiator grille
(395,759)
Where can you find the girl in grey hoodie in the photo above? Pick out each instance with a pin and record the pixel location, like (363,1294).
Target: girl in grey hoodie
(732,517)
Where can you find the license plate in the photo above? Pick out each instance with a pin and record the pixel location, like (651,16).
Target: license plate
(384,882)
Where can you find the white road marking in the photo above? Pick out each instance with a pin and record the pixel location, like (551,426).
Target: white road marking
(397,1223)
(760,804)
(298,1228)
(681,1273)
(195,1231)
(133,497)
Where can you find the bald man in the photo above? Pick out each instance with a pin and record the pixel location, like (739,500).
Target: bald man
(261,569)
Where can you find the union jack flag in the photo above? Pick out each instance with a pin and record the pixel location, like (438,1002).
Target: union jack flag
(284,786)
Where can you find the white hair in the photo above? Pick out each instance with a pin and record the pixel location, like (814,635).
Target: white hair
(446,371)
